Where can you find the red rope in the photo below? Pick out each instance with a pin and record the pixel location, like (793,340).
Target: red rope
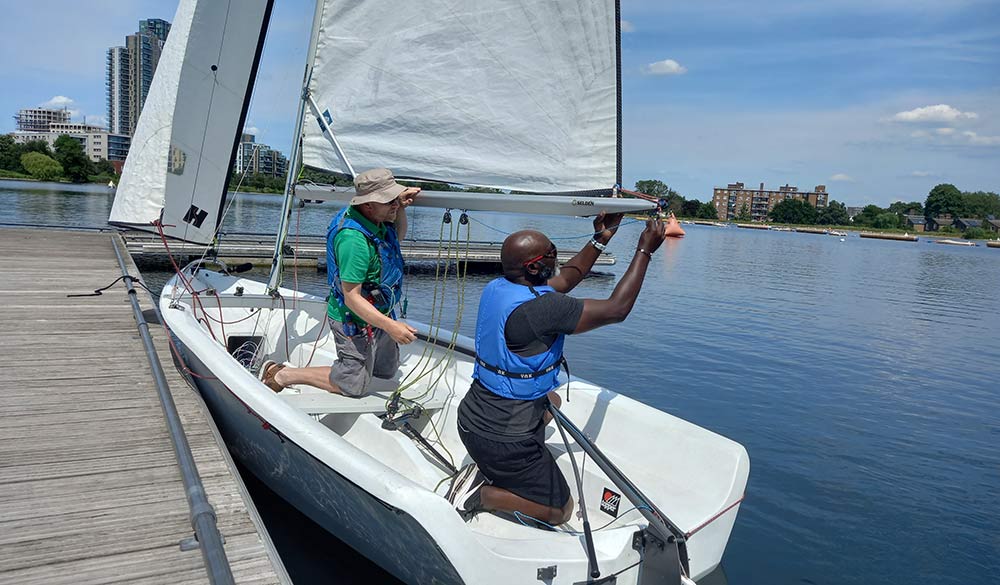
(716,517)
(640,195)
(316,343)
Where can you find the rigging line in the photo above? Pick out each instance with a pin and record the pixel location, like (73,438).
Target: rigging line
(716,516)
(461,272)
(428,346)
(440,442)
(435,323)
(446,357)
(427,355)
(99,291)
(322,328)
(240,320)
(195,300)
(230,203)
(295,257)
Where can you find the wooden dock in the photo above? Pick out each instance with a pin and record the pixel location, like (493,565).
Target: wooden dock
(888,236)
(90,488)
(148,250)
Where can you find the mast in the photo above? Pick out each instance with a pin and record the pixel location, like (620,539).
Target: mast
(274,279)
(618,91)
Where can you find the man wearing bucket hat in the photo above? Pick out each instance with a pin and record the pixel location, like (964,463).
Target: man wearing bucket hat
(365,273)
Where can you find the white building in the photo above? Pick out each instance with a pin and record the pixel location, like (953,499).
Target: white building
(96,141)
(38,119)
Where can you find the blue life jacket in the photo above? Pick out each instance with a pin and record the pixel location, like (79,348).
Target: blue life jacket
(500,370)
(387,293)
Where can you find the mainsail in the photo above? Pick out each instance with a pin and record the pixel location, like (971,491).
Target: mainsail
(182,151)
(512,94)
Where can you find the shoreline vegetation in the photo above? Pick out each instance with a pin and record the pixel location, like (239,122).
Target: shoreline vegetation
(68,164)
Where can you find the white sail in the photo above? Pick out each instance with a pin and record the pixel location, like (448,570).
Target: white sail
(180,159)
(515,94)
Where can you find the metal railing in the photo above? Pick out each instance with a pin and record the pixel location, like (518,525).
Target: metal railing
(203,518)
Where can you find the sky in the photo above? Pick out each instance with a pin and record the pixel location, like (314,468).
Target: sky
(879,100)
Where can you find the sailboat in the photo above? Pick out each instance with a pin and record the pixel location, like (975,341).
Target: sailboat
(505,94)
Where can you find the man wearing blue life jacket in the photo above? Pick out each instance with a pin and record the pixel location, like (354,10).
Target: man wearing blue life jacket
(365,273)
(523,320)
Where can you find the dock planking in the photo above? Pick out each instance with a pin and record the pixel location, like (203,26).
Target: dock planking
(148,250)
(90,489)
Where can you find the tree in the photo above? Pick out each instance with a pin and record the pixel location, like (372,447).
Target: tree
(707,211)
(744,214)
(944,198)
(833,214)
(41,167)
(69,153)
(690,207)
(10,154)
(653,187)
(981,204)
(39,146)
(904,208)
(104,167)
(868,215)
(793,211)
(886,221)
(976,233)
(660,190)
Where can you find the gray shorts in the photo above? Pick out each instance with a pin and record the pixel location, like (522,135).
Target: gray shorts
(358,359)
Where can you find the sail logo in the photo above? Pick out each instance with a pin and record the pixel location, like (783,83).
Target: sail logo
(583,202)
(610,501)
(195,216)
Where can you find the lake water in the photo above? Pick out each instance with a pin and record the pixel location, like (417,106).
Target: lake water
(862,376)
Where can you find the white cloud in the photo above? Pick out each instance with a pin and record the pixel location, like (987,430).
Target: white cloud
(627,26)
(251,130)
(59,101)
(922,174)
(978,140)
(842,177)
(665,67)
(919,134)
(938,113)
(97,121)
(945,131)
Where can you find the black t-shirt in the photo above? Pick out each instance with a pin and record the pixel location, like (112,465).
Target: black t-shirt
(531,329)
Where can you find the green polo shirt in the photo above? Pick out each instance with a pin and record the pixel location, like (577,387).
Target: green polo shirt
(357,259)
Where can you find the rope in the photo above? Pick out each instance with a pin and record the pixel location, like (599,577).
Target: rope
(716,517)
(98,291)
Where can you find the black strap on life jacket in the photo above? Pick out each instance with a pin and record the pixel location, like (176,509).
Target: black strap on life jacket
(520,375)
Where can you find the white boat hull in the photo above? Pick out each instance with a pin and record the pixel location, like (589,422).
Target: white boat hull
(381,493)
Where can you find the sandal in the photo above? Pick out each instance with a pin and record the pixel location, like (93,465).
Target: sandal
(268,371)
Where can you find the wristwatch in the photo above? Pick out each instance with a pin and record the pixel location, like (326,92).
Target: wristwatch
(600,247)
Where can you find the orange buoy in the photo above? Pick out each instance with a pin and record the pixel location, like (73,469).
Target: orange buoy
(673,229)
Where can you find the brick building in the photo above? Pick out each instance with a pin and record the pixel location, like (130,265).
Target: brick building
(729,200)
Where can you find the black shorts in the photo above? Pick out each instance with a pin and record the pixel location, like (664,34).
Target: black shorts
(525,468)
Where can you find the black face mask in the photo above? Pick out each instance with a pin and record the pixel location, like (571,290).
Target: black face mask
(541,277)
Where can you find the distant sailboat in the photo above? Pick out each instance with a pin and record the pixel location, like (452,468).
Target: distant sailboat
(513,94)
(111,184)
